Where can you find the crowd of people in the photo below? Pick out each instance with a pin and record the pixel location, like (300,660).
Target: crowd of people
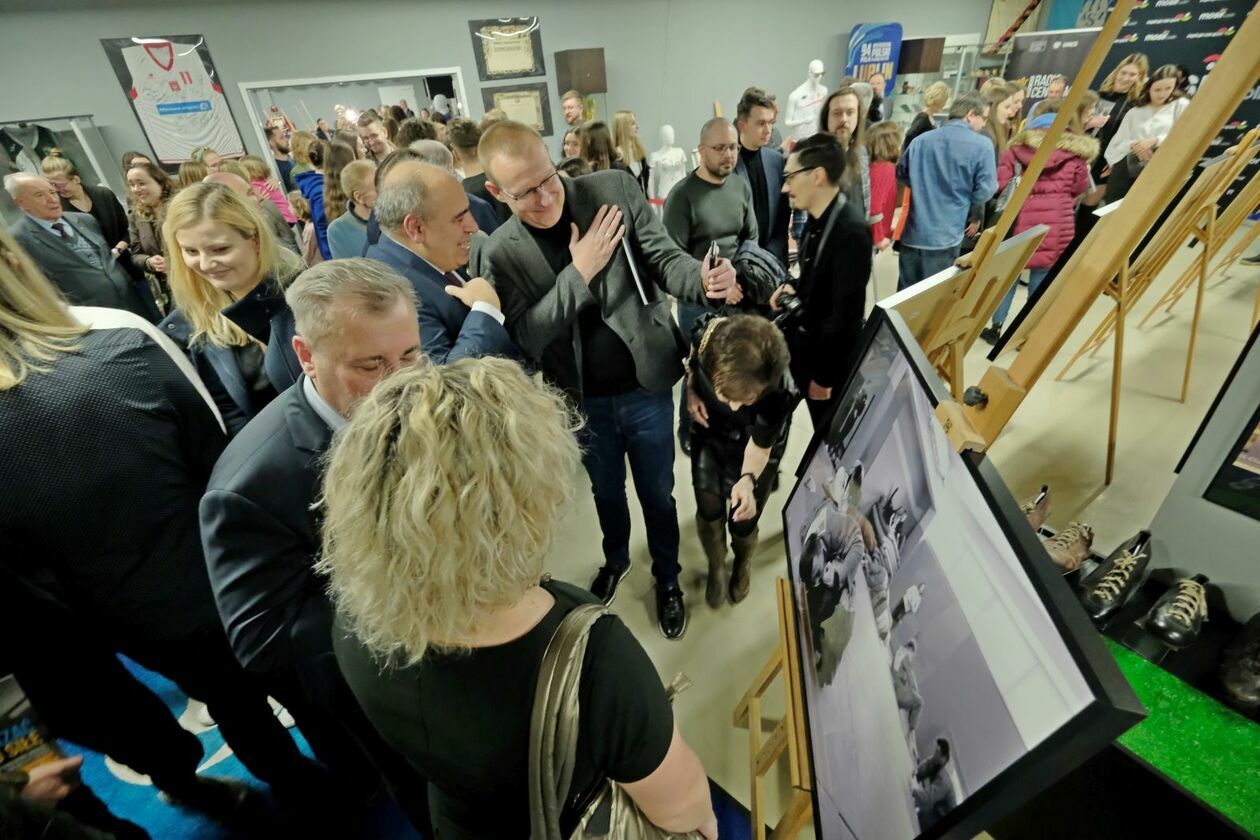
(327,409)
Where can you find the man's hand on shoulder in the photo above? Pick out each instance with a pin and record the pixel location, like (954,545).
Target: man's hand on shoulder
(476,290)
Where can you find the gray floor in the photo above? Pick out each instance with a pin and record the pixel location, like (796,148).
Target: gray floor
(1058,437)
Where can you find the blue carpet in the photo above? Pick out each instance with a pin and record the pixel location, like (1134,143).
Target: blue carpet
(139,801)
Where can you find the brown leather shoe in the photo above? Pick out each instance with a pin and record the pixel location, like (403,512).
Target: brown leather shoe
(713,541)
(1069,548)
(741,573)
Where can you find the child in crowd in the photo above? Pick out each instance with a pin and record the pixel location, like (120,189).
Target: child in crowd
(302,210)
(260,177)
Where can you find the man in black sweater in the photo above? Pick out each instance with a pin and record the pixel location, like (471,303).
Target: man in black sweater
(835,259)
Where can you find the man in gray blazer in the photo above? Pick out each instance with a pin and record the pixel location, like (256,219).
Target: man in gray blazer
(583,269)
(70,250)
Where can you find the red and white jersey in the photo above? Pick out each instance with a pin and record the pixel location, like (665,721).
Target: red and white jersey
(179,105)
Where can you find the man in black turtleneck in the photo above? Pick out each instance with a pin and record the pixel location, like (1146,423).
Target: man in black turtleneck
(763,167)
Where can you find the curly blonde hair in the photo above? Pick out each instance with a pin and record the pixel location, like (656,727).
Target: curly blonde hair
(442,498)
(36,328)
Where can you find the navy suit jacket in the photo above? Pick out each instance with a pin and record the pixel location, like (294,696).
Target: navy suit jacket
(482,211)
(775,238)
(449,331)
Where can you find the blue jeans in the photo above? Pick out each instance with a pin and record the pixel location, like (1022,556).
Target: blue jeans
(638,425)
(1036,276)
(915,264)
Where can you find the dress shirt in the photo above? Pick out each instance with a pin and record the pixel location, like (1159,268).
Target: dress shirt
(325,411)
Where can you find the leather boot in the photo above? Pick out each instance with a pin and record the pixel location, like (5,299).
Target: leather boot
(740,574)
(713,541)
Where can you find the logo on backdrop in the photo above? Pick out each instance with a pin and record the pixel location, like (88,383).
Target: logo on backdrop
(1160,36)
(1223,14)
(1181,18)
(1223,32)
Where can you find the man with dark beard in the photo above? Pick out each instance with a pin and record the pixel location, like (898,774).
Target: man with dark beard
(842,118)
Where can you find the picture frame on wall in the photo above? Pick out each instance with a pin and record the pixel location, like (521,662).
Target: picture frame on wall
(948,672)
(526,103)
(176,94)
(507,48)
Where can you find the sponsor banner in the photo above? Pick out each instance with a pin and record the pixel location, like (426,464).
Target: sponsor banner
(1038,57)
(874,48)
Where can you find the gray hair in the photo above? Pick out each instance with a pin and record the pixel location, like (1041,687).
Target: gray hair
(968,103)
(14,181)
(405,192)
(361,284)
(431,151)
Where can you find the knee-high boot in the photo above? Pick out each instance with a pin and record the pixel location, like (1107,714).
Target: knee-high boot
(713,540)
(740,574)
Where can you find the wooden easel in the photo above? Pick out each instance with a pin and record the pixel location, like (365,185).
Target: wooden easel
(1106,251)
(1196,217)
(788,734)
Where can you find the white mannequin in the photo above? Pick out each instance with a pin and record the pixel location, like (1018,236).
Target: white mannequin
(669,165)
(805,103)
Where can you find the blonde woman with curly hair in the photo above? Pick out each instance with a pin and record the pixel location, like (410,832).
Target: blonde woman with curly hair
(227,276)
(630,147)
(442,499)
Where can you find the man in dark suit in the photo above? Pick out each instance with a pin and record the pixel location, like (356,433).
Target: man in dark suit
(356,322)
(584,268)
(70,249)
(427,236)
(762,165)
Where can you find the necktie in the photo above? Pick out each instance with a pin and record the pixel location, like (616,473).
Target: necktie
(454,279)
(61,230)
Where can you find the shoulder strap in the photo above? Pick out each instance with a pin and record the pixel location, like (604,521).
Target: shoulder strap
(553,727)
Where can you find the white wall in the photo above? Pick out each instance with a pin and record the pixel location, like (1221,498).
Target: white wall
(667,60)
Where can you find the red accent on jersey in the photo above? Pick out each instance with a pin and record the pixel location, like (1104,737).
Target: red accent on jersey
(166,48)
(134,95)
(216,87)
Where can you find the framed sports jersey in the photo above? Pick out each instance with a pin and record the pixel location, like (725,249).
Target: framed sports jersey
(176,94)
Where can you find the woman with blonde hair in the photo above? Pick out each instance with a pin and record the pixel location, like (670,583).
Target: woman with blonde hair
(443,497)
(78,197)
(300,145)
(191,172)
(935,98)
(630,147)
(1119,92)
(227,276)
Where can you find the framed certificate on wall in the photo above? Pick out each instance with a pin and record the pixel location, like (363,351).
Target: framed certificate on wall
(528,104)
(507,48)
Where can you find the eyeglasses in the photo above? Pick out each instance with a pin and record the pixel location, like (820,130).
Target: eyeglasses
(787,176)
(723,148)
(533,191)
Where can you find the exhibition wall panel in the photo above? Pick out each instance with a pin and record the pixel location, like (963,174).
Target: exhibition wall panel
(668,60)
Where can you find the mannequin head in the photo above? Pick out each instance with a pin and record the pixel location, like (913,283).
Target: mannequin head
(667,136)
(815,71)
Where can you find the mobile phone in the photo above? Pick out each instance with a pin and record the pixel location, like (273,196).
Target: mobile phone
(713,253)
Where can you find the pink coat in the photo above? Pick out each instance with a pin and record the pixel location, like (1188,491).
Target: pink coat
(1052,201)
(277,198)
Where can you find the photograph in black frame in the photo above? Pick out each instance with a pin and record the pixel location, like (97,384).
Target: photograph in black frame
(507,48)
(176,94)
(932,668)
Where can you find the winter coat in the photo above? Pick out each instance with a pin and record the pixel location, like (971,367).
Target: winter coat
(1053,199)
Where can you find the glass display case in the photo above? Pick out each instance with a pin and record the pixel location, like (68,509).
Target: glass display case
(25,142)
(963,67)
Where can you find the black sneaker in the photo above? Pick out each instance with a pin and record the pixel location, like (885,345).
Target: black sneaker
(1254,259)
(604,587)
(671,612)
(1106,589)
(1178,614)
(1240,668)
(991,334)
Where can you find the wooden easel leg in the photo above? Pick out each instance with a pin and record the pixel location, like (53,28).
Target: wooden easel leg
(1198,307)
(1117,369)
(798,813)
(1090,345)
(956,385)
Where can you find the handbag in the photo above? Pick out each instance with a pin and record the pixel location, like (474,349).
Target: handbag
(1008,192)
(553,735)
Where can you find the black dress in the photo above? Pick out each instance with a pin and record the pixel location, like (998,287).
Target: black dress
(462,719)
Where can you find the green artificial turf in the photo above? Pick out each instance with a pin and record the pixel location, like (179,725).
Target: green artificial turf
(1200,744)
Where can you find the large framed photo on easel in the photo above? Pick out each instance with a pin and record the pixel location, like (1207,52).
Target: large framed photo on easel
(948,672)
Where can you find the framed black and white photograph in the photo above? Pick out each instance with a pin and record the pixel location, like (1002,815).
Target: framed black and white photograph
(507,48)
(941,657)
(176,94)
(525,103)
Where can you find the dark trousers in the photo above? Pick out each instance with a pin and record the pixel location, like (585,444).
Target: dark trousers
(85,695)
(637,425)
(717,463)
(915,264)
(687,315)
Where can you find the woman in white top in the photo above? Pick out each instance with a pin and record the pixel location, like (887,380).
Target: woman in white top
(1142,130)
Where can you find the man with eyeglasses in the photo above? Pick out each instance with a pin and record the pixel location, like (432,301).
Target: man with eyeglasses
(709,206)
(584,270)
(835,260)
(762,166)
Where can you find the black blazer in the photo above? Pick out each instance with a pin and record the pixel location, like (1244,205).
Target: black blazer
(261,537)
(106,455)
(107,211)
(832,287)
